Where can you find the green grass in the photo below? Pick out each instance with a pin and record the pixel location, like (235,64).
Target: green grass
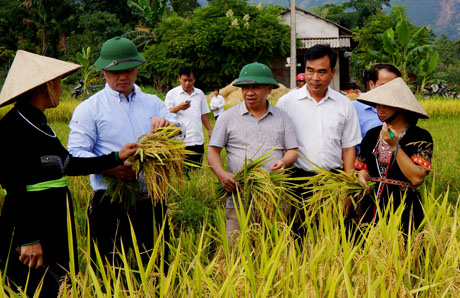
(446,159)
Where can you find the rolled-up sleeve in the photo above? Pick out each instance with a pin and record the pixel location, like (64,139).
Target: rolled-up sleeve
(219,135)
(83,132)
(290,139)
(164,112)
(352,133)
(204,105)
(169,100)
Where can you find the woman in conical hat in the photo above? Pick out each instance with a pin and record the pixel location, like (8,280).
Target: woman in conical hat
(396,155)
(33,222)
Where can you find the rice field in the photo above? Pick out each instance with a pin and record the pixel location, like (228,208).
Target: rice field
(266,260)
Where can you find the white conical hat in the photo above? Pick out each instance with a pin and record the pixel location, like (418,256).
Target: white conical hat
(394,94)
(31,70)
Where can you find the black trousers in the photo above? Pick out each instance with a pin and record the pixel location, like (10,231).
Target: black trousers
(298,226)
(109,225)
(196,158)
(299,217)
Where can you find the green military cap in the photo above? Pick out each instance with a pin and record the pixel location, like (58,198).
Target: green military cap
(118,53)
(254,74)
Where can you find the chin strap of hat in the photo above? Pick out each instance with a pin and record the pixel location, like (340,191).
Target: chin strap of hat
(248,81)
(393,117)
(115,62)
(388,121)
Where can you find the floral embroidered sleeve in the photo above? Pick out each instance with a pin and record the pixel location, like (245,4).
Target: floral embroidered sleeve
(423,155)
(360,163)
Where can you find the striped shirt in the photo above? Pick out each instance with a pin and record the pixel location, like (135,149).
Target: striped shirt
(243,135)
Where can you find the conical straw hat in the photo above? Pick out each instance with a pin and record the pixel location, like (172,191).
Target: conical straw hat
(394,94)
(31,70)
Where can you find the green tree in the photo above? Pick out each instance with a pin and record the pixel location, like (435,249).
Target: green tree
(87,68)
(119,8)
(151,12)
(184,7)
(448,68)
(353,13)
(217,40)
(392,39)
(400,46)
(91,31)
(51,20)
(12,27)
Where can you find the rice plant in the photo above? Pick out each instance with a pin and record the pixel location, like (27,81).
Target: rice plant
(267,261)
(159,157)
(332,186)
(262,190)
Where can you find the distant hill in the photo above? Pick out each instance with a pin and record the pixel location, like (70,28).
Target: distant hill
(443,16)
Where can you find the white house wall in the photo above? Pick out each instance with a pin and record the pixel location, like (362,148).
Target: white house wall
(308,26)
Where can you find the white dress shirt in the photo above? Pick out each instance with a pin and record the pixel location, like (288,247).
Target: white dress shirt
(322,128)
(190,118)
(217,104)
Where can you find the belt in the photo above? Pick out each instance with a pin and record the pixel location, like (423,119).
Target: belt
(394,182)
(61,182)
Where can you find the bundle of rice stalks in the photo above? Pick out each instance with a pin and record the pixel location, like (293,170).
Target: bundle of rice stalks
(158,159)
(327,188)
(262,190)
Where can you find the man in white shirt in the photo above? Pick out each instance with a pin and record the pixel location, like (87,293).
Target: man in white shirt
(325,121)
(190,106)
(217,104)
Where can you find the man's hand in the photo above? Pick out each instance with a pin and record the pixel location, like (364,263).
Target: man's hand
(158,122)
(127,151)
(278,165)
(32,255)
(183,105)
(227,181)
(123,172)
(364,177)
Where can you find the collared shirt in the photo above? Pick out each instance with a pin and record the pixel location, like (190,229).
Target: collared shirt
(191,117)
(217,104)
(243,135)
(106,121)
(285,96)
(322,128)
(368,118)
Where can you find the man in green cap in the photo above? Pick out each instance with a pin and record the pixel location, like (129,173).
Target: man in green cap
(103,123)
(250,130)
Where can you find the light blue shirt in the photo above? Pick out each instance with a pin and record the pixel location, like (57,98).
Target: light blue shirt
(106,121)
(368,118)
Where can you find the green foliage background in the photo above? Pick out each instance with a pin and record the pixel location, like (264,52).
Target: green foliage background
(217,40)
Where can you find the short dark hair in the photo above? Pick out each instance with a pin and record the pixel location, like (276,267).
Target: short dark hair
(319,51)
(373,73)
(186,70)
